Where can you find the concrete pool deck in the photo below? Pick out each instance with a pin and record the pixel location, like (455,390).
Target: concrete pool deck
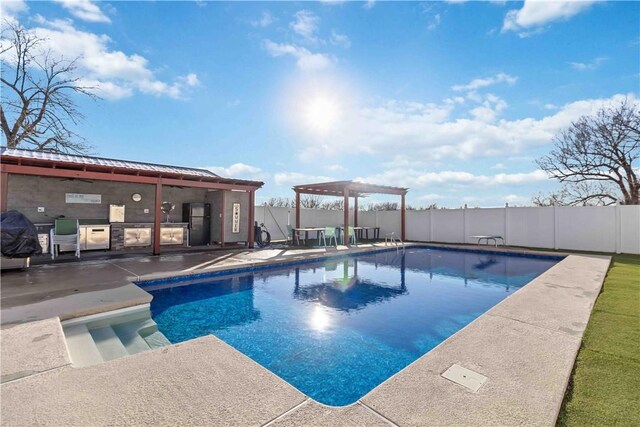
(525,346)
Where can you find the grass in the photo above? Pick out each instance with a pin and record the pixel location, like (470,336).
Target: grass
(605,386)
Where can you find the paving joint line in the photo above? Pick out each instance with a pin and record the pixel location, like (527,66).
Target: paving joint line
(557,331)
(122,268)
(35,374)
(306,399)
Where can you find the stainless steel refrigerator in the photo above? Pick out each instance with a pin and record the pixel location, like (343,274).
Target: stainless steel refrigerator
(198,215)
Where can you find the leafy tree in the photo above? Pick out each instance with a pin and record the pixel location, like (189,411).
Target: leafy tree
(596,159)
(37,109)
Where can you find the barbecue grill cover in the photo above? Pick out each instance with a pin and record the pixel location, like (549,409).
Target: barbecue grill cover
(19,237)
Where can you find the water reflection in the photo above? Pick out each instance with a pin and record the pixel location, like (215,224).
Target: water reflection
(346,291)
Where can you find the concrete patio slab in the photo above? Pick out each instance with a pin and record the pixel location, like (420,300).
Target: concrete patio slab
(78,304)
(527,368)
(312,413)
(32,348)
(45,282)
(199,382)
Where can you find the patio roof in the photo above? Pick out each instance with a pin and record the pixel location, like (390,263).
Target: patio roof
(84,166)
(355,189)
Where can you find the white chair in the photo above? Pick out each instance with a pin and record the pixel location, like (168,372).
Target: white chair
(64,232)
(329,232)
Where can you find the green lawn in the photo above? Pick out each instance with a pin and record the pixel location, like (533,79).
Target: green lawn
(605,386)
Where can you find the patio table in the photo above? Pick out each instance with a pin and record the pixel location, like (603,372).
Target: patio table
(306,233)
(359,230)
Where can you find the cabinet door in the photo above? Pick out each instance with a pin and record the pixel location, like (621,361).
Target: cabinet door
(171,236)
(137,237)
(97,238)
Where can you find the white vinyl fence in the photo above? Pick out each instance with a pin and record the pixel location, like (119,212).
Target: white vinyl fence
(589,228)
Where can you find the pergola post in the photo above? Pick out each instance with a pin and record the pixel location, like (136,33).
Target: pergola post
(297,209)
(250,231)
(222,203)
(157,219)
(402,218)
(346,215)
(355,210)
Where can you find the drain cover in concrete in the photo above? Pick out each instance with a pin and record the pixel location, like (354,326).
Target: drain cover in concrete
(464,377)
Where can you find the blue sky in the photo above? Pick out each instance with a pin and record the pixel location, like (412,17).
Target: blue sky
(454,100)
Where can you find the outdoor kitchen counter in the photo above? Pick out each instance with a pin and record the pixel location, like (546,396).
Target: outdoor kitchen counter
(123,238)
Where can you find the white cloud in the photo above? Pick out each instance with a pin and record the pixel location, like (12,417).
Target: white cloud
(489,81)
(238,170)
(428,132)
(417,179)
(336,168)
(431,196)
(305,59)
(537,13)
(10,9)
(499,166)
(434,22)
(265,20)
(592,65)
(340,39)
(106,89)
(369,4)
(296,178)
(85,10)
(305,24)
(114,73)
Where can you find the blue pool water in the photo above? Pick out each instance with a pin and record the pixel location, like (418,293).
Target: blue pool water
(338,328)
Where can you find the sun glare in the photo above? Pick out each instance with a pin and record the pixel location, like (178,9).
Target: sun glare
(321,113)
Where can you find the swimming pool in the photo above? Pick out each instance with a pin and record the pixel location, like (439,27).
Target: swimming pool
(337,328)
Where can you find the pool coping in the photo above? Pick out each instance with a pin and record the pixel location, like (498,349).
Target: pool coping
(560,282)
(278,262)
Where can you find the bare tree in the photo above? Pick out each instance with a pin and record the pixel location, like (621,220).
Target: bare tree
(37,108)
(595,159)
(333,205)
(279,202)
(383,206)
(310,201)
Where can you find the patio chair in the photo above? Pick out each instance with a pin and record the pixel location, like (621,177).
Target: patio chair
(352,236)
(294,235)
(329,232)
(64,232)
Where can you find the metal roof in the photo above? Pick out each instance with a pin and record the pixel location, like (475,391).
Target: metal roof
(355,188)
(102,161)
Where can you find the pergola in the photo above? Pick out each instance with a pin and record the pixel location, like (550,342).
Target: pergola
(348,189)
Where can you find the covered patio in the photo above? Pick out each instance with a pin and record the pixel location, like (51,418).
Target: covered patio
(347,190)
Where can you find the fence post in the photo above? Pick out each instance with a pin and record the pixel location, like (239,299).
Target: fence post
(618,222)
(464,224)
(555,227)
(430,225)
(506,224)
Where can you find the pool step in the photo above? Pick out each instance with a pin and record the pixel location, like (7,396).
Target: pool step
(108,343)
(82,347)
(96,339)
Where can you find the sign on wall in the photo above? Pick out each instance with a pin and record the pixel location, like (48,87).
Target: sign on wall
(235,228)
(94,199)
